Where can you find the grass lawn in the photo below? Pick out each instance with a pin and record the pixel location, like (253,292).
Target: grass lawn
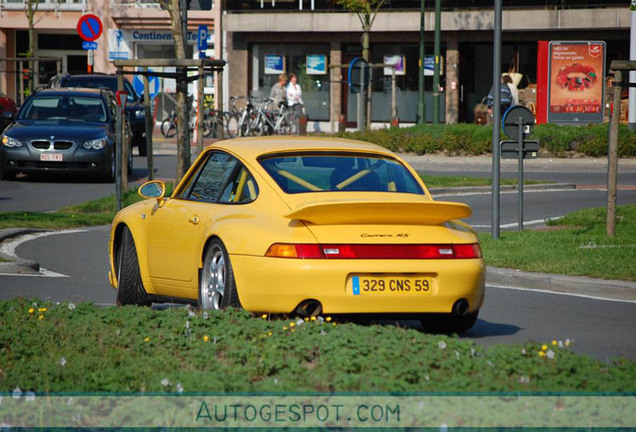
(575,245)
(458,181)
(84,348)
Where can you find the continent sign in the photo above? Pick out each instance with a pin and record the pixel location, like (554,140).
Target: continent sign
(89,27)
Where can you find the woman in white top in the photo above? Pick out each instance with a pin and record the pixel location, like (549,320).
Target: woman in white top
(294,94)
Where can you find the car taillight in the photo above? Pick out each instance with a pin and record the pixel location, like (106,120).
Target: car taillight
(358,251)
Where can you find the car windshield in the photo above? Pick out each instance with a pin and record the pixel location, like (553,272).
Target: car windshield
(329,172)
(65,107)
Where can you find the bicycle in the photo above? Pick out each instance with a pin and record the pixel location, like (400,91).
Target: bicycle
(169,124)
(267,122)
(239,121)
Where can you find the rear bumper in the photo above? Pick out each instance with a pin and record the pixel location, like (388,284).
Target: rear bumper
(278,285)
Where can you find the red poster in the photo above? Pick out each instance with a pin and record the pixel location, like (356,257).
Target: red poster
(576,87)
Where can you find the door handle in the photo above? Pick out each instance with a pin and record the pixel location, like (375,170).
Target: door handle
(194,220)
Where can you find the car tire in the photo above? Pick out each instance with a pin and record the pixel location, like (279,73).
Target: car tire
(7,175)
(448,323)
(108,175)
(130,288)
(217,287)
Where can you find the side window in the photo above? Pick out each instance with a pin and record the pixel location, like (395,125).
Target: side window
(223,179)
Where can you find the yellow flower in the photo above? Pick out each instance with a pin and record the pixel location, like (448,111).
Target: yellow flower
(206,338)
(41,309)
(41,317)
(264,316)
(334,323)
(31,310)
(313,318)
(147,339)
(554,342)
(291,324)
(269,333)
(328,319)
(306,319)
(285,328)
(541,354)
(544,347)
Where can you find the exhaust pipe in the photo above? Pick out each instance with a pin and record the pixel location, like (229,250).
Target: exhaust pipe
(460,307)
(309,308)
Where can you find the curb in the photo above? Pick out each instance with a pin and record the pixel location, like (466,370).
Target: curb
(555,283)
(17,265)
(503,188)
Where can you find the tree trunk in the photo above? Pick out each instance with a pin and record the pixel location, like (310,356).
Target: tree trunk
(30,12)
(183,133)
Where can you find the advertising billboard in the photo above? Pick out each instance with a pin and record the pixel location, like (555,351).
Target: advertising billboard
(576,82)
(274,64)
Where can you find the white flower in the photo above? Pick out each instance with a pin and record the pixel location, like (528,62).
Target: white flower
(165,382)
(523,351)
(205,315)
(320,319)
(427,378)
(276,381)
(441,345)
(191,314)
(179,388)
(524,379)
(457,354)
(187,324)
(62,361)
(322,333)
(118,332)
(17,392)
(472,352)
(560,344)
(29,396)
(71,306)
(300,322)
(550,354)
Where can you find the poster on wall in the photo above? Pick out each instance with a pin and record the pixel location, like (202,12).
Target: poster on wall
(400,64)
(316,64)
(117,45)
(576,82)
(274,64)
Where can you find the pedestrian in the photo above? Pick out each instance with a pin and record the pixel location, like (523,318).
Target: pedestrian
(295,95)
(505,97)
(513,89)
(278,91)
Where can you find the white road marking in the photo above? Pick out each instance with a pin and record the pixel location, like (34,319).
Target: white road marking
(9,247)
(534,290)
(525,223)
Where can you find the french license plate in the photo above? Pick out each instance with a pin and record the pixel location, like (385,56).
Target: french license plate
(391,284)
(52,157)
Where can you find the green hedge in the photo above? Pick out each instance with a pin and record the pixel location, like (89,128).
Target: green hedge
(471,139)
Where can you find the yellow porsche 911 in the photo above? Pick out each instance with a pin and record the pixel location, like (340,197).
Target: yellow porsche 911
(304,226)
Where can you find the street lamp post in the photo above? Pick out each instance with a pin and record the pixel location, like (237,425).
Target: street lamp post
(421,103)
(438,36)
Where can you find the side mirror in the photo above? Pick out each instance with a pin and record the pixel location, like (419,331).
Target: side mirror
(155,189)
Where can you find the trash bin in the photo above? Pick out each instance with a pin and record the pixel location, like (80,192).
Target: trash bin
(302,124)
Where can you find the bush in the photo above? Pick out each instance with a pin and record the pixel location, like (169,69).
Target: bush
(471,139)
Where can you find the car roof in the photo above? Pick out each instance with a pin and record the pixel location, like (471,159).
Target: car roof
(254,147)
(58,91)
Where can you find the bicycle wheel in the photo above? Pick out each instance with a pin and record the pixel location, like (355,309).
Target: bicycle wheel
(168,128)
(287,124)
(232,125)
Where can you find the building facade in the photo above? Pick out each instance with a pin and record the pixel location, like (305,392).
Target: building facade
(294,32)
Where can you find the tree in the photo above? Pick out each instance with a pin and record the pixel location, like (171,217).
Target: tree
(183,134)
(366,10)
(30,11)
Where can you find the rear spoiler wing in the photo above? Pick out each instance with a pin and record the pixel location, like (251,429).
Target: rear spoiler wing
(384,213)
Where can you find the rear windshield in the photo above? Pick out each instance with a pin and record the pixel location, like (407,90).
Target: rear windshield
(328,172)
(65,107)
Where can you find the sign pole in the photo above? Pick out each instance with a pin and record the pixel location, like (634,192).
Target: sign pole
(520,177)
(149,127)
(496,127)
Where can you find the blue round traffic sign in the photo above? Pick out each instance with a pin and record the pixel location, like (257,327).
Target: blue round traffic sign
(154,85)
(89,27)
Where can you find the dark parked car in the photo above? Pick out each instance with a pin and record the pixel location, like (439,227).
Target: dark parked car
(65,131)
(134,105)
(7,111)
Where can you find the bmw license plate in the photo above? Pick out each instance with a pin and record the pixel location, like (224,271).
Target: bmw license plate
(52,157)
(392,284)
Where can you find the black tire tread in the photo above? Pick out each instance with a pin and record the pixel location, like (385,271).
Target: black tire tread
(130,287)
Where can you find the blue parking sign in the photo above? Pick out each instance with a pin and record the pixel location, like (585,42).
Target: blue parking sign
(202,38)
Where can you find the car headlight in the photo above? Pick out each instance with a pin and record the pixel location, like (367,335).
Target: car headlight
(139,113)
(8,141)
(96,144)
